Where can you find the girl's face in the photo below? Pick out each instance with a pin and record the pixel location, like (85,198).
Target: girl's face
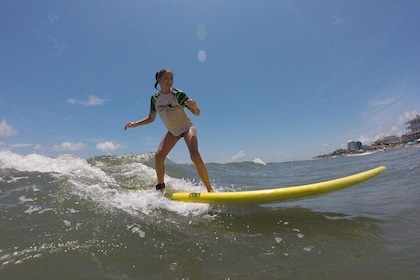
(166,80)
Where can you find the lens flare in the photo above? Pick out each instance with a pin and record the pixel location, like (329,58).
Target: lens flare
(201,32)
(202,56)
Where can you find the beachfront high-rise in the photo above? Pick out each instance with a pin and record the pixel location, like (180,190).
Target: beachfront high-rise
(412,128)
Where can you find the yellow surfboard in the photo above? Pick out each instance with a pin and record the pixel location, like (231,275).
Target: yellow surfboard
(277,194)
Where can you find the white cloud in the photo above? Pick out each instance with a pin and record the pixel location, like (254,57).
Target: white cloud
(72,101)
(382,102)
(68,146)
(239,155)
(7,130)
(92,101)
(398,129)
(336,20)
(38,147)
(107,146)
(52,18)
(56,47)
(22,145)
(407,117)
(365,140)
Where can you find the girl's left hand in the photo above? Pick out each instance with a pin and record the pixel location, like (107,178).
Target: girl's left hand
(191,103)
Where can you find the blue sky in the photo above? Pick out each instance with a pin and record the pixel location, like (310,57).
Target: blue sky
(276,80)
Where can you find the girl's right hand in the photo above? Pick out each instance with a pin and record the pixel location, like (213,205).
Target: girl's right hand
(130,124)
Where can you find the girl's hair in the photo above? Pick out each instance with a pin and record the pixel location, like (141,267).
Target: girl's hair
(159,75)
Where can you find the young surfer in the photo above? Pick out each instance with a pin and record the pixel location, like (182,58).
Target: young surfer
(169,103)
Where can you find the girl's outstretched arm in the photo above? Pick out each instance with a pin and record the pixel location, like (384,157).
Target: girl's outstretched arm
(146,120)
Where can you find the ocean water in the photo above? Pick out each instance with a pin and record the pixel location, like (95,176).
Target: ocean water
(100,218)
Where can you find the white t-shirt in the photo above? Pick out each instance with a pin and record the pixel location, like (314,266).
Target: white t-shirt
(170,108)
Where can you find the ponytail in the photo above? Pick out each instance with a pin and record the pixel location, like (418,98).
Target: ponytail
(156,78)
(159,75)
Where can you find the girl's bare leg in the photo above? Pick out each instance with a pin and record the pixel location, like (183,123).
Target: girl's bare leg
(166,145)
(192,143)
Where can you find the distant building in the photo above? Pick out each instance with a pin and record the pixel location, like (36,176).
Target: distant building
(412,128)
(354,146)
(388,140)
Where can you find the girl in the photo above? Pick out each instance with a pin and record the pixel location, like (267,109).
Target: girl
(169,103)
